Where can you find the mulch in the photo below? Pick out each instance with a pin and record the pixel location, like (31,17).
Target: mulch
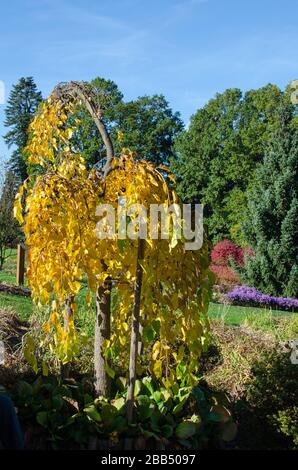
(15,290)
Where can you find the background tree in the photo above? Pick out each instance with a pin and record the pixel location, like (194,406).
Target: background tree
(10,232)
(218,155)
(147,125)
(271,225)
(87,137)
(23,100)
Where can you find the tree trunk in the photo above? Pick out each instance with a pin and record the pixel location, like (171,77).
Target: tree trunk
(102,332)
(65,368)
(20,265)
(135,334)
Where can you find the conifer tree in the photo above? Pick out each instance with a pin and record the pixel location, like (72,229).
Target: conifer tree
(23,100)
(271,225)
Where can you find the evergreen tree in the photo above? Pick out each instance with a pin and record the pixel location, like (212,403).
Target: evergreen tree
(271,225)
(23,100)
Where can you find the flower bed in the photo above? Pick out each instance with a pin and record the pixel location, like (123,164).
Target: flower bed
(243,295)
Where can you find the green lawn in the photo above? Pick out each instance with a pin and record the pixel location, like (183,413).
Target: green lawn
(282,325)
(234,315)
(21,305)
(8,273)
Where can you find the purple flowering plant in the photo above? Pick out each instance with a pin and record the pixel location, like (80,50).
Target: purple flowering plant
(243,295)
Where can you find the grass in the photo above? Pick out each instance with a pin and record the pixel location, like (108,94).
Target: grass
(21,305)
(8,273)
(234,315)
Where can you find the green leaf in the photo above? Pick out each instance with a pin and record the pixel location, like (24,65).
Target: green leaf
(138,386)
(92,413)
(45,369)
(109,371)
(149,333)
(119,424)
(178,408)
(42,418)
(143,407)
(156,326)
(167,430)
(108,413)
(186,429)
(148,382)
(119,403)
(157,396)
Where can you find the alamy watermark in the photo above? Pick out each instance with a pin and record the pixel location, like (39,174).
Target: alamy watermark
(161,221)
(2,92)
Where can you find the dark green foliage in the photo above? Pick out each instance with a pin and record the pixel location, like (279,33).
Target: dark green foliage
(271,225)
(272,395)
(148,125)
(88,139)
(23,101)
(218,155)
(60,414)
(287,422)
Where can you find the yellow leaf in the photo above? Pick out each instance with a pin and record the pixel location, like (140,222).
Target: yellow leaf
(18,211)
(157,369)
(155,350)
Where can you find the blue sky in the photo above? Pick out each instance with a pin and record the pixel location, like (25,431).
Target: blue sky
(186,49)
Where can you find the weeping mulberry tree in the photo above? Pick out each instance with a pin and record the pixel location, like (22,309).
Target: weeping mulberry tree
(162,289)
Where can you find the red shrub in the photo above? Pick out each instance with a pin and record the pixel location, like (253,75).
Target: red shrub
(225,250)
(224,275)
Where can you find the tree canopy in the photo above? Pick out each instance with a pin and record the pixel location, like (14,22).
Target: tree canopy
(147,125)
(218,154)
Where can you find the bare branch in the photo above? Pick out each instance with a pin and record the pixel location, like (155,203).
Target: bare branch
(82,91)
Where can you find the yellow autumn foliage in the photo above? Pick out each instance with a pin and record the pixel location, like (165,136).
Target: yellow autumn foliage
(64,248)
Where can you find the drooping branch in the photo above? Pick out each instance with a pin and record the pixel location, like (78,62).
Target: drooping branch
(83,92)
